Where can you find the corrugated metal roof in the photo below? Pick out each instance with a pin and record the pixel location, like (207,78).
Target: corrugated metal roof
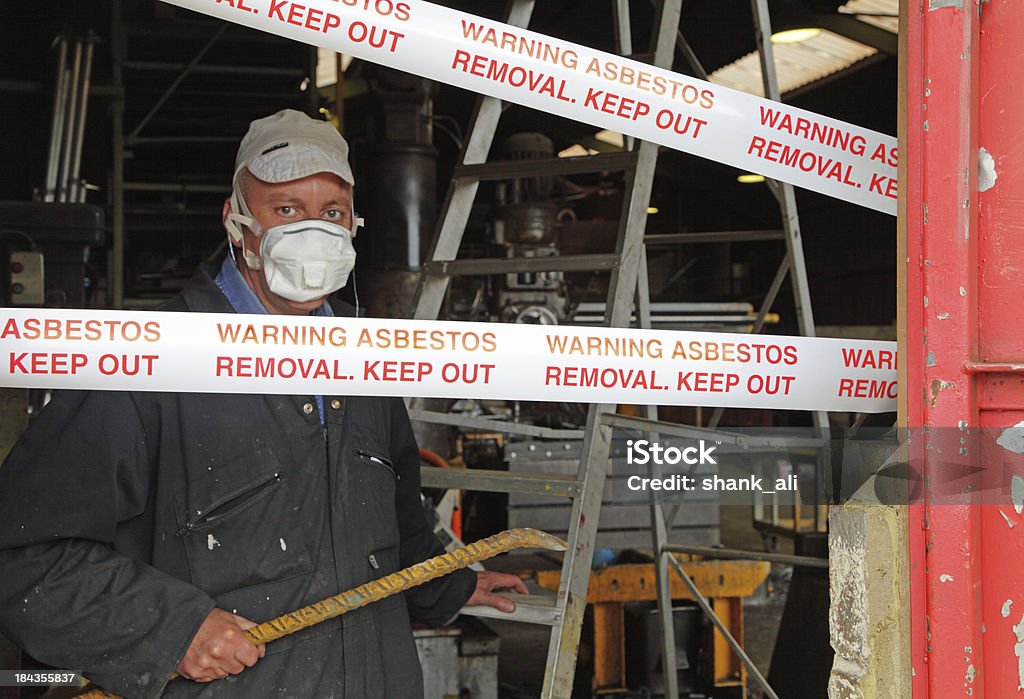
(871,11)
(796,64)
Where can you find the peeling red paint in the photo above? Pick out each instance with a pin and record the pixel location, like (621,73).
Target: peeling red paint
(971,360)
(937,385)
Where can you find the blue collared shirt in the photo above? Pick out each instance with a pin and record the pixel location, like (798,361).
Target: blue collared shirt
(244,300)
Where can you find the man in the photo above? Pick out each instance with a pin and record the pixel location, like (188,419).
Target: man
(143,532)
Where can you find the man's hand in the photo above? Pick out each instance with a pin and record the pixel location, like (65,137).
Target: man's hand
(487,581)
(220,648)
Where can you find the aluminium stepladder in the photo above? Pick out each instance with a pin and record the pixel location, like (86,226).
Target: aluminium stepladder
(564,613)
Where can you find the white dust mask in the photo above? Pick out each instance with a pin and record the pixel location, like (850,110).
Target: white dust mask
(305,260)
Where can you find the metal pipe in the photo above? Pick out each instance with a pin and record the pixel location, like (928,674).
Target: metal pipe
(71,108)
(736,647)
(56,122)
(74,182)
(743,555)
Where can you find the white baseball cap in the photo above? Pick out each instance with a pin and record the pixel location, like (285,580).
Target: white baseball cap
(289,145)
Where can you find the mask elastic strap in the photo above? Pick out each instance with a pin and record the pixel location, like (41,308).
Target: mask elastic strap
(355,291)
(357,222)
(241,216)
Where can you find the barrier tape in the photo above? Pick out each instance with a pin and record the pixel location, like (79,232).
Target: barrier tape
(517,65)
(235,353)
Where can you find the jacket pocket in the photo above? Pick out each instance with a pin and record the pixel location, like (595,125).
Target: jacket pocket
(230,504)
(375,459)
(370,494)
(242,524)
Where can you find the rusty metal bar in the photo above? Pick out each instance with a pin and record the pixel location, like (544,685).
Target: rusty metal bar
(382,588)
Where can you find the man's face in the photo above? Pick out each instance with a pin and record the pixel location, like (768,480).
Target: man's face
(321,196)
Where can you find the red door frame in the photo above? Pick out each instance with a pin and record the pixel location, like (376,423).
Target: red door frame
(962,342)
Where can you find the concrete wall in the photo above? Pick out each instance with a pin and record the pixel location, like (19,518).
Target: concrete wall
(869,618)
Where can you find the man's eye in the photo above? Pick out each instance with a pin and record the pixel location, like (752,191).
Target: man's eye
(286,210)
(333,214)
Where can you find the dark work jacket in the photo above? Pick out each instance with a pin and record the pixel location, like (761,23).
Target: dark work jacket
(127,516)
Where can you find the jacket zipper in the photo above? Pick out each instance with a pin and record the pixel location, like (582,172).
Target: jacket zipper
(201,518)
(379,460)
(332,478)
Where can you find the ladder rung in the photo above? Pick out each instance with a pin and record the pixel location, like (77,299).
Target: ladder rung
(723,437)
(597,307)
(501,481)
(547,167)
(512,265)
(493,425)
(530,609)
(714,237)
